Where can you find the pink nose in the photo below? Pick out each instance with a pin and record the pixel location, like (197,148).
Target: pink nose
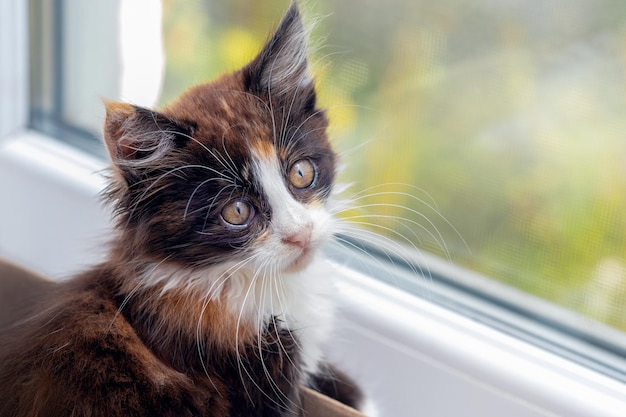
(301,238)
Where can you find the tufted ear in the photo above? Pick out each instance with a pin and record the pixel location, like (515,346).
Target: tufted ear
(138,139)
(281,66)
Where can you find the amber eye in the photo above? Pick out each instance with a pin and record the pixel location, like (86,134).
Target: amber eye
(238,213)
(302,174)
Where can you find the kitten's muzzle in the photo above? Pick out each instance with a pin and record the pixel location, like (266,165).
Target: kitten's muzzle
(300,239)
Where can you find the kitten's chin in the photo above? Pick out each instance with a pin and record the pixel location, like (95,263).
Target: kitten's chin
(301,262)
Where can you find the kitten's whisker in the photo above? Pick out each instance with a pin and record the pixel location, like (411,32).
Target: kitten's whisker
(124,302)
(230,168)
(186,212)
(375,238)
(259,273)
(389,247)
(279,282)
(314,114)
(209,206)
(365,194)
(273,384)
(400,221)
(386,185)
(436,236)
(276,279)
(232,164)
(256,98)
(274,274)
(291,144)
(211,296)
(271,107)
(240,365)
(283,131)
(208,298)
(150,189)
(232,172)
(381,264)
(344,242)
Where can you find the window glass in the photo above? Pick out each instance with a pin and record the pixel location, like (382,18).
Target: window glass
(74,63)
(489,133)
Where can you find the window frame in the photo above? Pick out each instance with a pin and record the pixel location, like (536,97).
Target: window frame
(413,355)
(13,67)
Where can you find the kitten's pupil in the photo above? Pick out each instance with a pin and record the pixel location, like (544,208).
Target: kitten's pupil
(237,213)
(302,174)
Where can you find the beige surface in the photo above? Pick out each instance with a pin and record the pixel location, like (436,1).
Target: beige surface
(315,404)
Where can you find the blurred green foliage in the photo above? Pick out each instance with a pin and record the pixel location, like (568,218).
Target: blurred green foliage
(497,130)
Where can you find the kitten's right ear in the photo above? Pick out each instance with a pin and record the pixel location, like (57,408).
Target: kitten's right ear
(281,66)
(139,139)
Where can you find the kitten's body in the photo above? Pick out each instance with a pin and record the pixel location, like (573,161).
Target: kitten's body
(209,304)
(85,357)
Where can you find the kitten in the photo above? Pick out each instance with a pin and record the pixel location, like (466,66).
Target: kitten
(210,303)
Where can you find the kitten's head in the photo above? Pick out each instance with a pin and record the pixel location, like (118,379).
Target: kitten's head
(236,171)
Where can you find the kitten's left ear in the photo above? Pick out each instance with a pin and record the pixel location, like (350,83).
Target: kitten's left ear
(140,139)
(281,66)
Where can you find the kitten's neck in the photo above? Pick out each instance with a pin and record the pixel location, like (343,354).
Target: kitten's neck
(172,317)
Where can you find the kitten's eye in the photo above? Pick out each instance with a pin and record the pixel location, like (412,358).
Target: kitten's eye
(238,213)
(302,174)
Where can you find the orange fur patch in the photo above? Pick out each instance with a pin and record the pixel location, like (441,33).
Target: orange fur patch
(227,108)
(116,109)
(188,312)
(265,150)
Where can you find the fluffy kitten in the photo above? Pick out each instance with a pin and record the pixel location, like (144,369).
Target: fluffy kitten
(209,303)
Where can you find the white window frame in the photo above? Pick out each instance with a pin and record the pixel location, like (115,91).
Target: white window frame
(414,357)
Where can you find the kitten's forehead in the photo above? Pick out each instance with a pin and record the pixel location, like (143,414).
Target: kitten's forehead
(264,151)
(224,113)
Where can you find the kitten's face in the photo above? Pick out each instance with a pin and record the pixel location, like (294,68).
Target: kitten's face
(238,170)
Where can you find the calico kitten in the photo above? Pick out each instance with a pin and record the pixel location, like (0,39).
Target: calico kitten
(210,303)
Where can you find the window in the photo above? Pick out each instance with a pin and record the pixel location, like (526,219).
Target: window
(484,140)
(483,134)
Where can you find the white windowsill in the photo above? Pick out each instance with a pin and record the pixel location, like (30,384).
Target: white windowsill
(416,358)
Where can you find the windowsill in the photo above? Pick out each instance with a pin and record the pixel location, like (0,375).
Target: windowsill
(51,218)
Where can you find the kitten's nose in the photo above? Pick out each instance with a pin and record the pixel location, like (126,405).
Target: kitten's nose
(301,238)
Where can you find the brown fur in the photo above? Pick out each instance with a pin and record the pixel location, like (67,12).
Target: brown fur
(86,357)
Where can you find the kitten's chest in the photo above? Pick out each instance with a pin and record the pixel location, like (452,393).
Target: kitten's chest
(258,357)
(293,309)
(307,311)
